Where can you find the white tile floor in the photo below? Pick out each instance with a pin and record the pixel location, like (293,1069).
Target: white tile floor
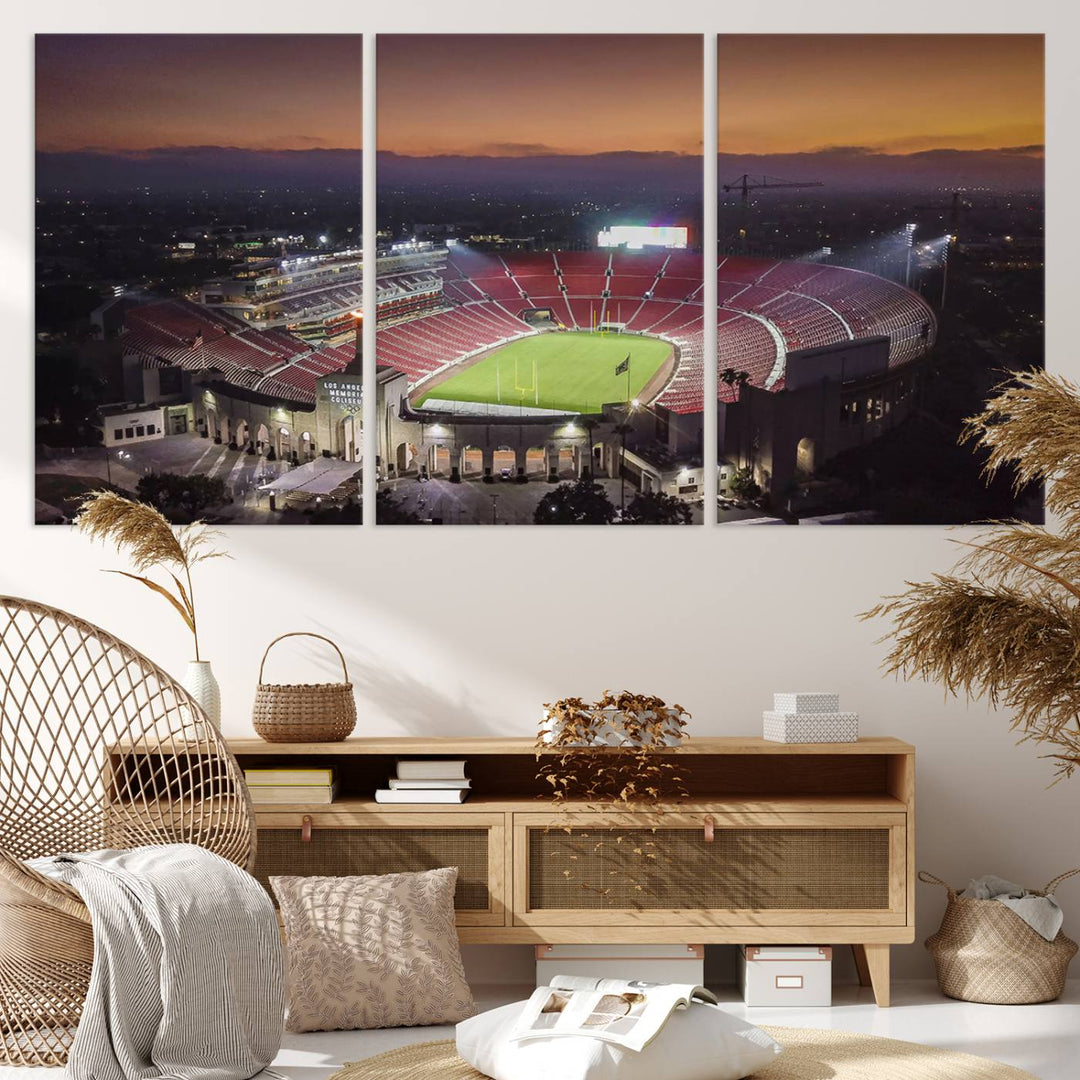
(1044,1039)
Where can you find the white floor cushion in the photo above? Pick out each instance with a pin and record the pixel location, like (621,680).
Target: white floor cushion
(698,1043)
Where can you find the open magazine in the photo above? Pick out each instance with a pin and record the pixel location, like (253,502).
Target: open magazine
(615,1010)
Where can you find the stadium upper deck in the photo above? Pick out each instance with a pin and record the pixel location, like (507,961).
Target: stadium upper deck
(200,339)
(767,309)
(474,301)
(313,296)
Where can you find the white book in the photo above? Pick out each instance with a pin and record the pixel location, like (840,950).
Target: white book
(431,770)
(397,795)
(429,785)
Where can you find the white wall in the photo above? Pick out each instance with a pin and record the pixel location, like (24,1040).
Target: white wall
(468,631)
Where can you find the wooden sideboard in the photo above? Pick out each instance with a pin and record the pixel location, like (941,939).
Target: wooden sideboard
(776,843)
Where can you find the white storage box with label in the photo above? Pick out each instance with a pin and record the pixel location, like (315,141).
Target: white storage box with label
(643,963)
(781,976)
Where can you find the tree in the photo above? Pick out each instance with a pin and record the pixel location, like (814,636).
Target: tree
(388,511)
(743,484)
(66,398)
(656,508)
(350,514)
(181,496)
(583,502)
(1004,625)
(590,424)
(735,378)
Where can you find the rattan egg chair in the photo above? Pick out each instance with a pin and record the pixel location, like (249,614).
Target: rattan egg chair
(99,748)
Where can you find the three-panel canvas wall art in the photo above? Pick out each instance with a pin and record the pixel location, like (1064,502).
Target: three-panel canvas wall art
(550,341)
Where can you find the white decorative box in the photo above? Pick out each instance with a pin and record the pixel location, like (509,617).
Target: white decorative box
(804,702)
(643,963)
(782,976)
(811,728)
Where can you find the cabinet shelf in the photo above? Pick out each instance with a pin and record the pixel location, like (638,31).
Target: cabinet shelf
(776,804)
(776,844)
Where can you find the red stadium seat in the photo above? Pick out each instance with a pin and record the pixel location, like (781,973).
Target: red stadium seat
(766,309)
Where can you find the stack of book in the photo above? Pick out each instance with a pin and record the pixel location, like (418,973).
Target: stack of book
(299,786)
(430,781)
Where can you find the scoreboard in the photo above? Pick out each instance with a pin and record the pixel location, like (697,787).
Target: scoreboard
(636,237)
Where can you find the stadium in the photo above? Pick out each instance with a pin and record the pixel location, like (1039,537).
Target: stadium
(497,351)
(533,364)
(264,362)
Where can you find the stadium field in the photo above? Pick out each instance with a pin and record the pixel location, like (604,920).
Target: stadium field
(569,371)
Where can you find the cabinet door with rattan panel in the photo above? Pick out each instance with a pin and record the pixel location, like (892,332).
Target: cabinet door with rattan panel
(344,844)
(791,869)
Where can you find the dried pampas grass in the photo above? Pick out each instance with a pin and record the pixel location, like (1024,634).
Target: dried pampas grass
(1005,624)
(147,538)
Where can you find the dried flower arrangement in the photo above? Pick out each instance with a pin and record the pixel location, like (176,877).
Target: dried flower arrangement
(614,754)
(1005,624)
(150,542)
(639,724)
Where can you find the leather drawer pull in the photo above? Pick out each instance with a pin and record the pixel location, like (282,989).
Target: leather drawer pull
(709,834)
(305,829)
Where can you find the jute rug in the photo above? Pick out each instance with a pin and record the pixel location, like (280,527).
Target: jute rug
(808,1055)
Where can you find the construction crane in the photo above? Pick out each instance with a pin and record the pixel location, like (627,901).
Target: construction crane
(956,206)
(747,183)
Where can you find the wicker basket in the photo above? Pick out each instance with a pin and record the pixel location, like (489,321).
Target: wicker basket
(985,952)
(305,712)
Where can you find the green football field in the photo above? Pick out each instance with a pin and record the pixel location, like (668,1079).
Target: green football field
(574,372)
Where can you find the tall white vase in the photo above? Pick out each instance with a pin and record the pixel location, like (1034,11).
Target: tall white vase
(200,683)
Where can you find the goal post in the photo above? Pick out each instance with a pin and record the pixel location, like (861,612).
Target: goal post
(534,379)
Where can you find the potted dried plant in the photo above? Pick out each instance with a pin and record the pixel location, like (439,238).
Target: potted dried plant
(621,719)
(612,754)
(152,543)
(1004,624)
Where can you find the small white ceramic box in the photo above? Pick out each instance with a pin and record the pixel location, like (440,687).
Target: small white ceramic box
(643,963)
(782,976)
(813,728)
(804,702)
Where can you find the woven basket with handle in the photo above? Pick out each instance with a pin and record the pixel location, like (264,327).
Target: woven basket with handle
(304,712)
(985,952)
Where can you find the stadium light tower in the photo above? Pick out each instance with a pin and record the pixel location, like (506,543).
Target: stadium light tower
(909,229)
(949,239)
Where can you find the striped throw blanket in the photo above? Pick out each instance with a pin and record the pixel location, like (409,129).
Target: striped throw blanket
(187,977)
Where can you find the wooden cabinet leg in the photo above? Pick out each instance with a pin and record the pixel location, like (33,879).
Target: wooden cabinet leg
(875,958)
(861,965)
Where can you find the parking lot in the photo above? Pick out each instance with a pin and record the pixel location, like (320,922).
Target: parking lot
(185,455)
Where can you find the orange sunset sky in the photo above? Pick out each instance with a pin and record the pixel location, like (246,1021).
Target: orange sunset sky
(256,91)
(510,95)
(786,93)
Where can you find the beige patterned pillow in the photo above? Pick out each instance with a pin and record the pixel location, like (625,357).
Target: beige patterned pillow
(373,952)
